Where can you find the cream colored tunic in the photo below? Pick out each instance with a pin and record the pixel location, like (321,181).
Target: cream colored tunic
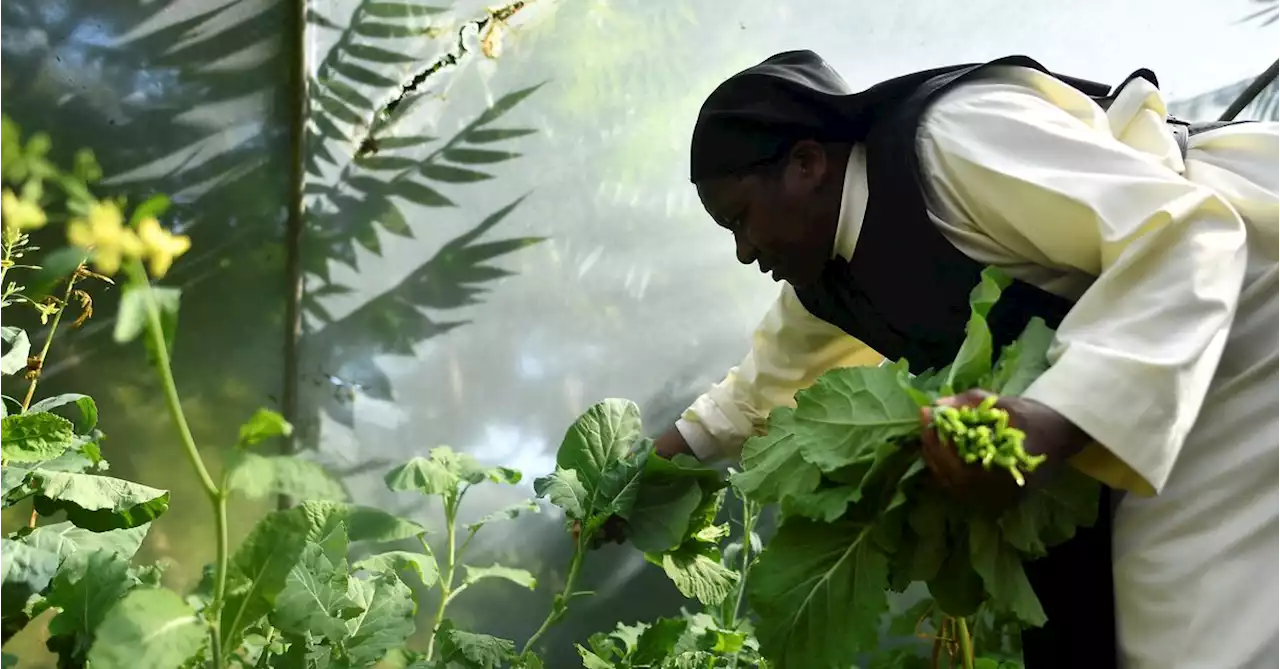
(1168,360)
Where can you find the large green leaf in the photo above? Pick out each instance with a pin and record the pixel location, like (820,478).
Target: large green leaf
(34,437)
(973,361)
(819,590)
(598,439)
(65,538)
(257,476)
(314,599)
(443,471)
(848,413)
(774,467)
(469,650)
(86,587)
(1049,515)
(1001,570)
(97,503)
(422,564)
(147,629)
(24,571)
(520,577)
(1023,361)
(87,409)
(669,493)
(563,489)
(696,571)
(13,478)
(386,621)
(17,348)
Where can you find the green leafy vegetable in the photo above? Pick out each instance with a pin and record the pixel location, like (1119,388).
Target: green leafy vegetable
(97,503)
(147,629)
(858,520)
(34,437)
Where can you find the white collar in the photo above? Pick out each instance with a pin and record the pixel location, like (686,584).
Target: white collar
(853,204)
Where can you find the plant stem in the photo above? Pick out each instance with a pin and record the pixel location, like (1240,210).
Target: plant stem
(966,643)
(561,602)
(446,580)
(44,353)
(217,497)
(48,340)
(749,517)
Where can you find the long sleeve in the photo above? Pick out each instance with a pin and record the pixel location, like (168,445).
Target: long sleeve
(1028,174)
(790,349)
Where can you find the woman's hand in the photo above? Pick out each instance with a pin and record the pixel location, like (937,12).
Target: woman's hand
(1048,432)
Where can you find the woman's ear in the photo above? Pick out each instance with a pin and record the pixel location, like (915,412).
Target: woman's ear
(808,165)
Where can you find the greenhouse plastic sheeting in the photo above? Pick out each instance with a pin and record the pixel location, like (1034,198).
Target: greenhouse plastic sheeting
(498,227)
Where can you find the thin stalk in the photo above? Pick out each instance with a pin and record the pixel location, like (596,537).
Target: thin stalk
(446,579)
(48,340)
(44,353)
(217,498)
(966,643)
(561,603)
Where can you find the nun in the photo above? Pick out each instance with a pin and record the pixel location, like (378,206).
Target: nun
(1149,243)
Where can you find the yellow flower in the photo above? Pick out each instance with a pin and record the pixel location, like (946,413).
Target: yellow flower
(103,231)
(160,245)
(21,214)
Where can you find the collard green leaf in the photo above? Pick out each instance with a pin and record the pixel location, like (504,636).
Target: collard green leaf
(387,619)
(366,523)
(257,476)
(827,504)
(819,590)
(86,586)
(598,439)
(957,588)
(264,424)
(314,599)
(1023,361)
(973,361)
(24,571)
(617,490)
(669,494)
(563,489)
(261,565)
(65,538)
(422,564)
(773,465)
(520,577)
(443,471)
(592,661)
(1049,515)
(14,477)
(34,437)
(848,413)
(473,651)
(510,512)
(1001,570)
(658,640)
(147,629)
(87,409)
(17,348)
(97,503)
(696,571)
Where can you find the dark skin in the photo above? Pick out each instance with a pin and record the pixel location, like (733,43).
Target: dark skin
(784,220)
